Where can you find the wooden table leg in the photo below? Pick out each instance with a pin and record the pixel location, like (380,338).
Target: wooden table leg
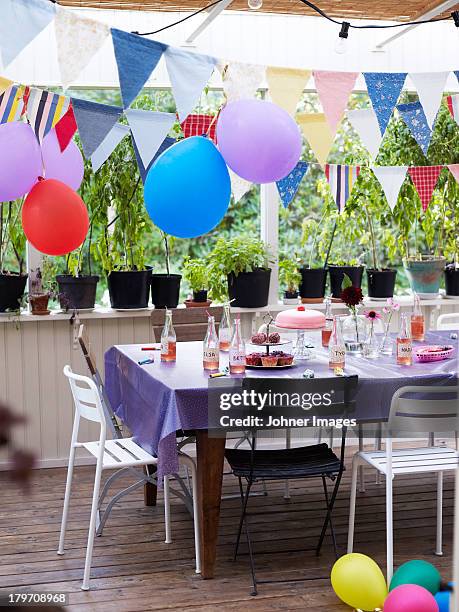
(150,491)
(210,457)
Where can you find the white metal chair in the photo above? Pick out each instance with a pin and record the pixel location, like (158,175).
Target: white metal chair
(408,416)
(448,321)
(117,454)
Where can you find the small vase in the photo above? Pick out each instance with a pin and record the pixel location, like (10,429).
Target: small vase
(354,333)
(371,347)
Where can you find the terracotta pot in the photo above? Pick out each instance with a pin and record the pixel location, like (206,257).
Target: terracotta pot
(39,304)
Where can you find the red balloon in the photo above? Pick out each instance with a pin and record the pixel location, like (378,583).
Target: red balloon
(54,218)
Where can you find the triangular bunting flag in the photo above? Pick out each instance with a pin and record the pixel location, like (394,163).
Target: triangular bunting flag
(78,40)
(318,134)
(452,103)
(136,58)
(454,169)
(384,90)
(241,80)
(425,178)
(149,129)
(286,86)
(239,186)
(21,21)
(365,123)
(288,186)
(5,84)
(66,128)
(414,117)
(456,72)
(44,109)
(108,145)
(94,122)
(430,87)
(391,179)
(188,73)
(167,142)
(334,89)
(12,104)
(200,125)
(341,180)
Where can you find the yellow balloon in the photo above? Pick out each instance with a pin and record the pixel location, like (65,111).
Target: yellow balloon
(358,581)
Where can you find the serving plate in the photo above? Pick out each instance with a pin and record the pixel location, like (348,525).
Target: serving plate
(276,367)
(437,352)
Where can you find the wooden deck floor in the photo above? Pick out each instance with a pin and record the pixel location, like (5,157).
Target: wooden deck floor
(134,570)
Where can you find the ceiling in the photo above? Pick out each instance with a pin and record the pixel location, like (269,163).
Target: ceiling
(399,10)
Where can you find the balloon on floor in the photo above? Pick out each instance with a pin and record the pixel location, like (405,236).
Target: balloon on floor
(410,598)
(188,189)
(358,581)
(20,160)
(54,218)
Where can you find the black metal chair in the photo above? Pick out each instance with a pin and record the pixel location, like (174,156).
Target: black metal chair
(315,461)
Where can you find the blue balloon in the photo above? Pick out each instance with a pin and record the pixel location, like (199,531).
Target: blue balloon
(188,188)
(443,599)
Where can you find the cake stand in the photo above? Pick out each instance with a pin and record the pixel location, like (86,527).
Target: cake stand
(316,321)
(304,348)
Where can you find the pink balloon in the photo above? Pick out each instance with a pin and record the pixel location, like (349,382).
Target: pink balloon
(258,140)
(66,166)
(410,598)
(20,160)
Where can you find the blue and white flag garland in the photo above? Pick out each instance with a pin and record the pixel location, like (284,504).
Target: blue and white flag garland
(149,129)
(167,142)
(430,87)
(289,185)
(384,90)
(108,145)
(188,73)
(414,117)
(136,58)
(94,122)
(391,180)
(341,179)
(21,21)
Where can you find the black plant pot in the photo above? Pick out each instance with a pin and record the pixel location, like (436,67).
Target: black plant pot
(77,292)
(200,296)
(313,281)
(129,289)
(452,280)
(249,289)
(165,290)
(381,283)
(337,273)
(12,287)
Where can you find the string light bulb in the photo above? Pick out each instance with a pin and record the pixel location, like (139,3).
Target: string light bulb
(341,43)
(255,4)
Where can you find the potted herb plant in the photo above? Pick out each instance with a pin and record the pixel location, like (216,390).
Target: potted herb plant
(239,268)
(313,279)
(42,287)
(165,288)
(195,273)
(289,278)
(381,281)
(12,255)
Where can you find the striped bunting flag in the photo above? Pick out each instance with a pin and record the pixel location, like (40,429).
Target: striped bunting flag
(44,109)
(453,106)
(341,180)
(12,104)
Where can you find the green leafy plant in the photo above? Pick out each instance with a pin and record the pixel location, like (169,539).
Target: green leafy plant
(12,238)
(43,280)
(289,275)
(236,255)
(195,273)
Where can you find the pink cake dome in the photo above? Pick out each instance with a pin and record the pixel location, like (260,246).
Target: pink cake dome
(300,318)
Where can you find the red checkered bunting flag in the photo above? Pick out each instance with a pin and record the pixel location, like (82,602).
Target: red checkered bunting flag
(199,125)
(425,178)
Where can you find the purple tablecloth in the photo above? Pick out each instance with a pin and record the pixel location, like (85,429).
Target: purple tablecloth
(156,400)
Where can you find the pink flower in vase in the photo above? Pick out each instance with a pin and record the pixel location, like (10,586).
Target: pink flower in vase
(372,315)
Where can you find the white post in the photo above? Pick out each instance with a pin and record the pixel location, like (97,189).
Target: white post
(34,261)
(269,227)
(455,595)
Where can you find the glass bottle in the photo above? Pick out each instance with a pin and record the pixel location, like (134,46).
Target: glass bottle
(404,342)
(225,329)
(336,346)
(417,321)
(327,330)
(237,351)
(211,355)
(168,339)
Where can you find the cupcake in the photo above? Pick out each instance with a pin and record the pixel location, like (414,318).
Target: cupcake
(253,359)
(285,359)
(268,361)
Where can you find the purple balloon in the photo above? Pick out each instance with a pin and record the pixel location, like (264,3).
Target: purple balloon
(20,160)
(66,166)
(258,140)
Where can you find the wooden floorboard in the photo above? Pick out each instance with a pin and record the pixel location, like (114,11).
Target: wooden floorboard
(134,570)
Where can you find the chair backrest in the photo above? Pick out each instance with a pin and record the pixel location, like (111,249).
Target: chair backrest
(86,397)
(425,409)
(448,321)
